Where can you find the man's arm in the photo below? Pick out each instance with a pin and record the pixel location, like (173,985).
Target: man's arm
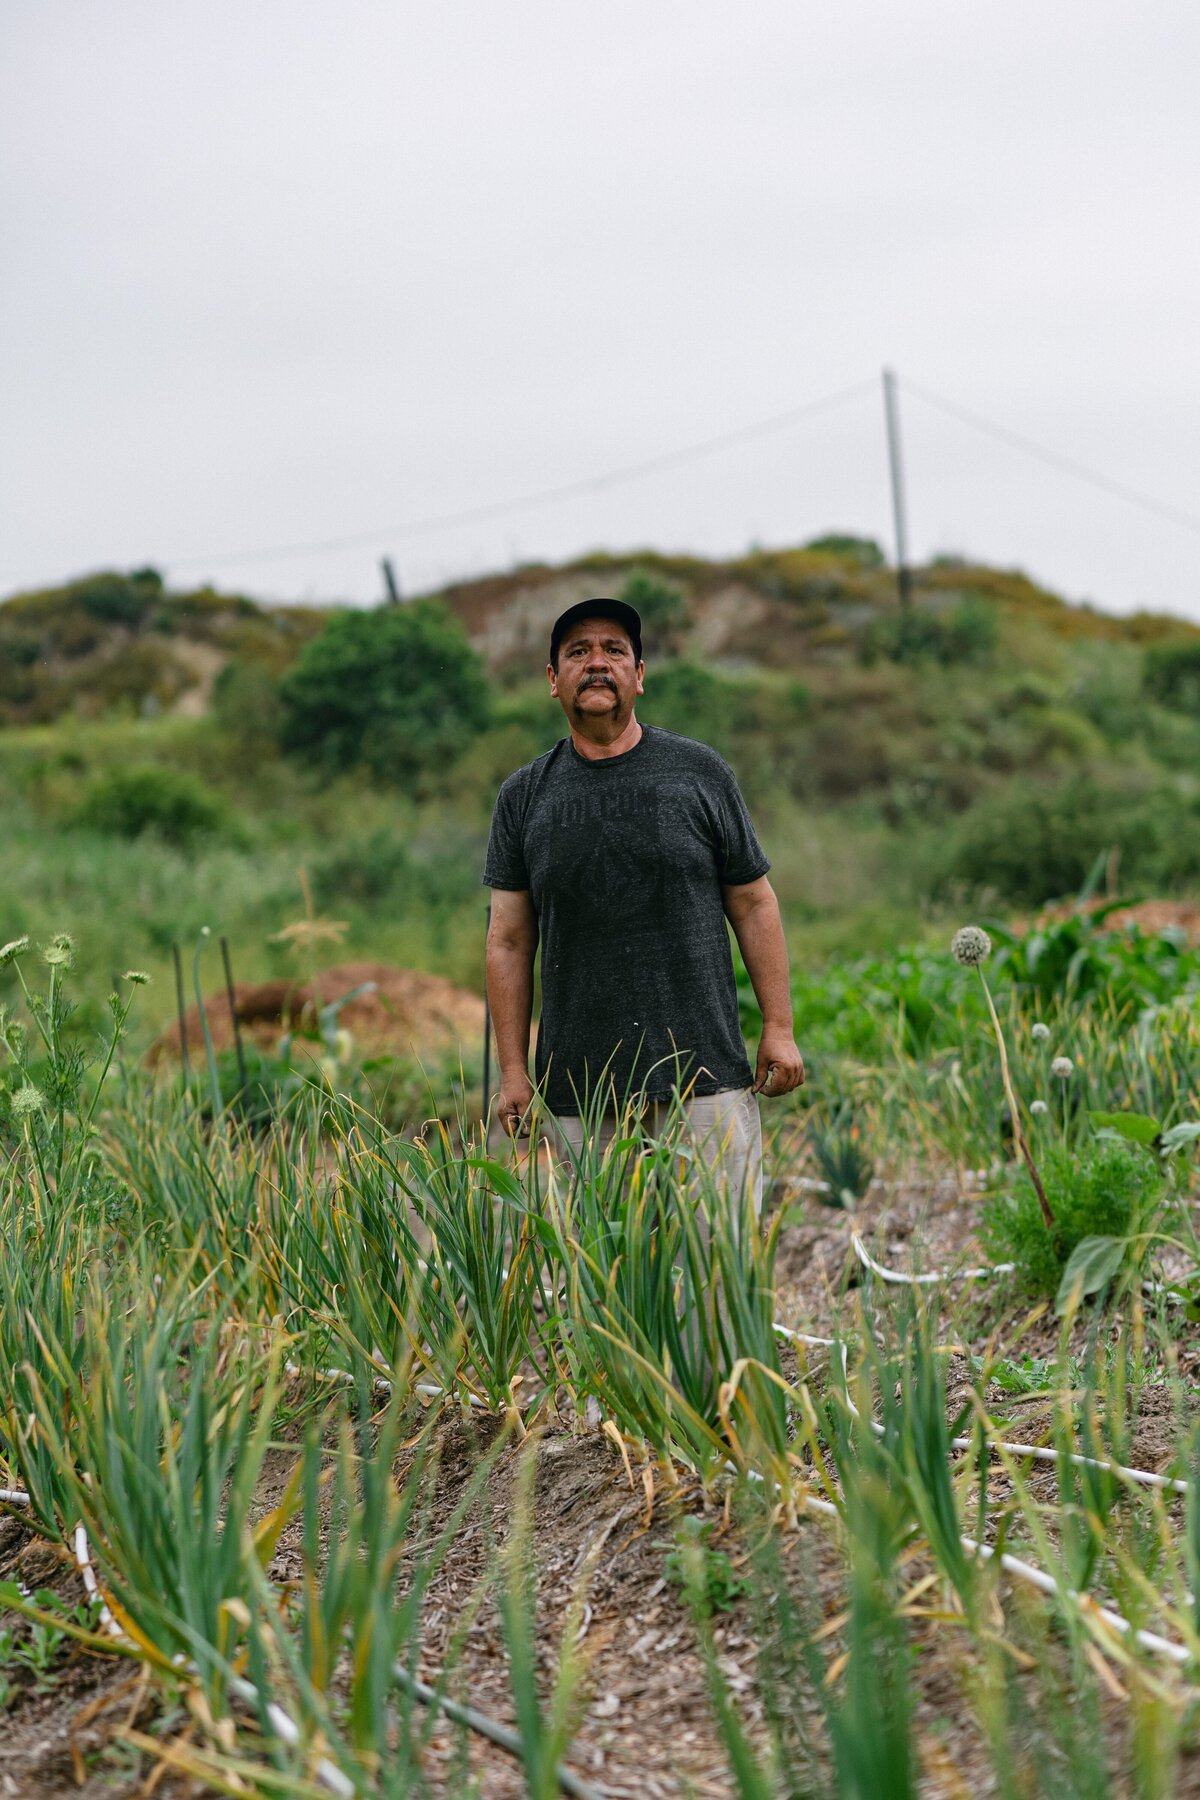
(511,946)
(753,911)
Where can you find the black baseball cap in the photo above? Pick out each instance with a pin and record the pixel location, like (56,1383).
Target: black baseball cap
(600,608)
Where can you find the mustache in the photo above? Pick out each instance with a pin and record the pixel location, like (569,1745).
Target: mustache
(598,681)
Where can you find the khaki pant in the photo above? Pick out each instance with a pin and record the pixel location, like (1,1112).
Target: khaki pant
(723,1129)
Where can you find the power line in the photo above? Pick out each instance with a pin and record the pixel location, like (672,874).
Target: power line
(497,509)
(1054,460)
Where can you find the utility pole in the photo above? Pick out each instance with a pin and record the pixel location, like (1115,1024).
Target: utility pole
(892,414)
(390,582)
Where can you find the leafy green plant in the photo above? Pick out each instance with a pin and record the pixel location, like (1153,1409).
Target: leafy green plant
(1110,1191)
(708,1574)
(842,1156)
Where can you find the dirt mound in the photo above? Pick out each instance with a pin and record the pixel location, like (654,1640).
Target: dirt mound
(1150,917)
(401,1011)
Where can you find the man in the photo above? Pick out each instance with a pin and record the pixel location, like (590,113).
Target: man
(624,850)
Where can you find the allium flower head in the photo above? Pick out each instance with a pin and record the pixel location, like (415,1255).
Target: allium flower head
(9,952)
(1063,1067)
(1038,1106)
(971,946)
(138,977)
(26,1100)
(1041,1032)
(60,951)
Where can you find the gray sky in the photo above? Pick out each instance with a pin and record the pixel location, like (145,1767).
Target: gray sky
(276,272)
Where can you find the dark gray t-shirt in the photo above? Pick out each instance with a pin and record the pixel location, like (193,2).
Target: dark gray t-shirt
(624,859)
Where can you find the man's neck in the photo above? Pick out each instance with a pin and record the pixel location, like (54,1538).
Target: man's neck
(596,752)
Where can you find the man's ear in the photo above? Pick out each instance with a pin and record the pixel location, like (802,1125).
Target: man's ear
(641,673)
(552,676)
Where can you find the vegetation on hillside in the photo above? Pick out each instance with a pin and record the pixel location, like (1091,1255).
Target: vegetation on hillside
(172,760)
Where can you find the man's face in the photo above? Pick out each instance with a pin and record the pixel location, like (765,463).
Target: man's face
(597,676)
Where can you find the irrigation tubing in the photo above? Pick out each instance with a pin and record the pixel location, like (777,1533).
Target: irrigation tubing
(282,1723)
(488,1728)
(329,1775)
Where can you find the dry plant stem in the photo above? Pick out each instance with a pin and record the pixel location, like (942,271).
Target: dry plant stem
(1014,1110)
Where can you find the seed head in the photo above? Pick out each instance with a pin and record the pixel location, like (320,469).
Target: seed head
(971,946)
(138,977)
(1038,1106)
(26,1100)
(1041,1032)
(60,951)
(10,952)
(1063,1067)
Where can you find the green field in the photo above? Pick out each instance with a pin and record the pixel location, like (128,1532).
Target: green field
(368,1421)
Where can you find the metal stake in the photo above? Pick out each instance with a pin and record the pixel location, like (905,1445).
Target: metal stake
(183,1049)
(237,1030)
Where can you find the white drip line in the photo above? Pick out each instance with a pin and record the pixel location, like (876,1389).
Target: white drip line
(381,1384)
(1039,1452)
(282,1723)
(1014,1565)
(285,1727)
(898,1277)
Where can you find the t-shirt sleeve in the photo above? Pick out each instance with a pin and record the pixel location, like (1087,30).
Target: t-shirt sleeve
(505,865)
(740,856)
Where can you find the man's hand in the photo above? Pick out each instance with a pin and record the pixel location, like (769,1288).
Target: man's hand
(780,1067)
(516,1098)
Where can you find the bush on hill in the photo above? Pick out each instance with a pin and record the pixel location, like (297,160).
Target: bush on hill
(1171,675)
(661,607)
(966,633)
(173,804)
(398,691)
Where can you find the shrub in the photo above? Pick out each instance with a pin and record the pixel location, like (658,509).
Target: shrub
(366,872)
(1171,675)
(693,701)
(864,552)
(172,803)
(398,690)
(661,607)
(245,702)
(964,634)
(119,599)
(1036,842)
(1108,1192)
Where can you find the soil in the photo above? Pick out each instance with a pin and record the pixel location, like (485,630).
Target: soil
(403,1012)
(646,1730)
(1150,917)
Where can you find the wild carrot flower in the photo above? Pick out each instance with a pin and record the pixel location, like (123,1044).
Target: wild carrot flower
(27,1099)
(60,951)
(9,952)
(138,977)
(1063,1067)
(971,946)
(1038,1106)
(1041,1032)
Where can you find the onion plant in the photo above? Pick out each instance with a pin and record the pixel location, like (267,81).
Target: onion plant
(160,1455)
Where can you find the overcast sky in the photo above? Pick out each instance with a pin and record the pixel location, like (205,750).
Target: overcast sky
(277,272)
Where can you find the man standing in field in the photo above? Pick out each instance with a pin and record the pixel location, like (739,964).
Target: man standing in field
(624,850)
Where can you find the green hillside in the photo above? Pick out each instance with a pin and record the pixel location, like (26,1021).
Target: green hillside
(171,760)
